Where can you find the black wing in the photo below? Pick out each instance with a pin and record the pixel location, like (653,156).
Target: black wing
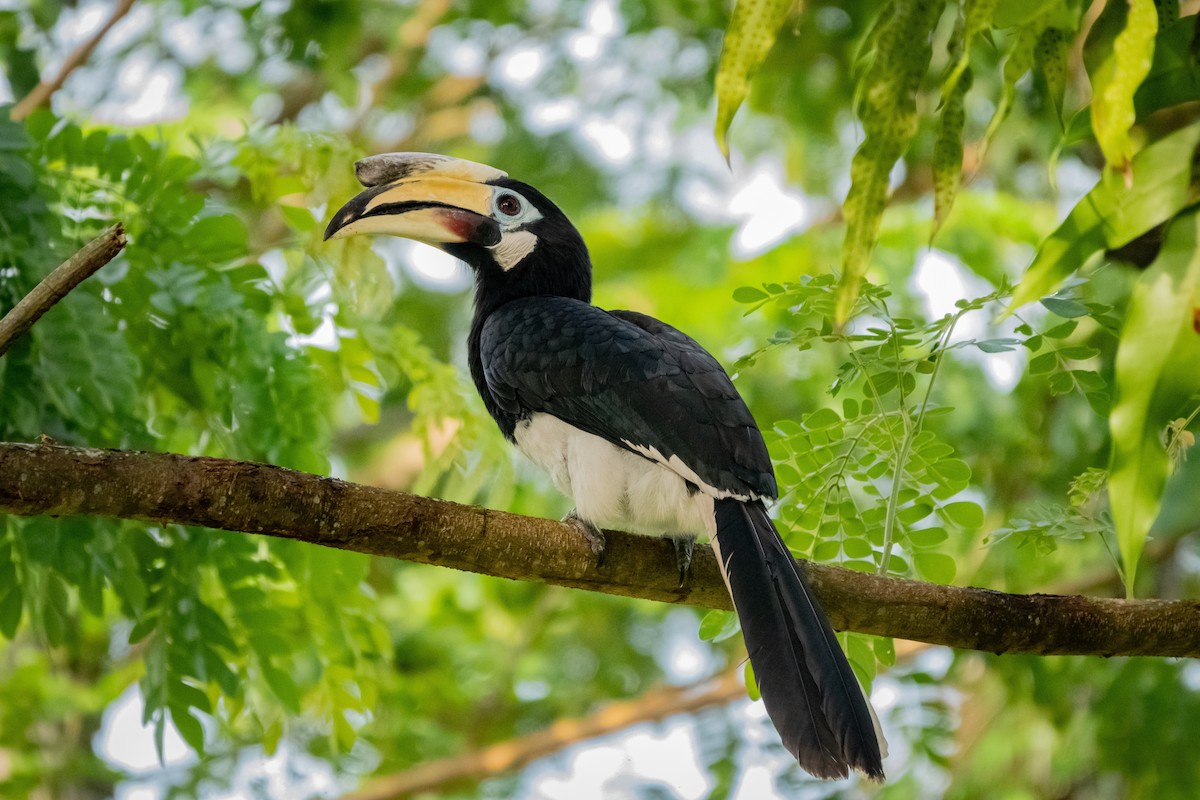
(629,379)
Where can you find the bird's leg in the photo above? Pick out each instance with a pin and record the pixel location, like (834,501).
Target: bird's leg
(594,536)
(684,544)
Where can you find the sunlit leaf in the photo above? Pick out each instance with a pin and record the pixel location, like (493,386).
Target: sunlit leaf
(928,537)
(1156,372)
(751,33)
(974,19)
(888,113)
(966,514)
(751,681)
(935,567)
(717,626)
(1117,78)
(749,294)
(1112,214)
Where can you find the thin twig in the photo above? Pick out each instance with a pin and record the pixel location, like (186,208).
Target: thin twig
(439,775)
(41,94)
(54,287)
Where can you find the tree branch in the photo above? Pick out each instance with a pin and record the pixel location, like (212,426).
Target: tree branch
(41,94)
(503,757)
(480,764)
(54,287)
(256,498)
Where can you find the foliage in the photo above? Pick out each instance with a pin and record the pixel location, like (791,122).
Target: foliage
(1155,378)
(1012,438)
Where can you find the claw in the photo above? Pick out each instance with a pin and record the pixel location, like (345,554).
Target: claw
(594,536)
(684,545)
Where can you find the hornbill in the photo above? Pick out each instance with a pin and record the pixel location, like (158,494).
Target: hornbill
(633,420)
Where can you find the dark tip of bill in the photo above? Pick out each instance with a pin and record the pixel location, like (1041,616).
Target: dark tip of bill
(333,226)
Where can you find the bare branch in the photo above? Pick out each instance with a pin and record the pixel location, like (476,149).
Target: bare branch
(475,765)
(256,498)
(55,286)
(41,94)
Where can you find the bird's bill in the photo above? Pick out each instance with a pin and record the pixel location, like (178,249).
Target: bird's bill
(431,208)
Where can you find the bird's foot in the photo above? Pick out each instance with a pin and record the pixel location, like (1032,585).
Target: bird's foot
(684,544)
(594,536)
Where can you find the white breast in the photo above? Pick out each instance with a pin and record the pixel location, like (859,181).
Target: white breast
(612,487)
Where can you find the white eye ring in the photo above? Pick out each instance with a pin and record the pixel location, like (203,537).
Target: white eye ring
(509,205)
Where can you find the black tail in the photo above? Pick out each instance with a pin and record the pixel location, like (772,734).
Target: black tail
(806,682)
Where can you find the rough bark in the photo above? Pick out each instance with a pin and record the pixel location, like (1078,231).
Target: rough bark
(53,480)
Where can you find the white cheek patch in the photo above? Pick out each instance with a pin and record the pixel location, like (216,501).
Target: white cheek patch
(513,248)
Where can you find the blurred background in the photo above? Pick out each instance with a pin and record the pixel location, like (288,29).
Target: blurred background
(144,662)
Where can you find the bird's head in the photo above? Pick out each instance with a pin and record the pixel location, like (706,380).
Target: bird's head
(512,236)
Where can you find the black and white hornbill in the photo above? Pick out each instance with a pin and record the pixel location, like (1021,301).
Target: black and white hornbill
(633,420)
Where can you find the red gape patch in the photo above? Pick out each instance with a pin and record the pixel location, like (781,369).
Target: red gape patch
(468,226)
(1196,319)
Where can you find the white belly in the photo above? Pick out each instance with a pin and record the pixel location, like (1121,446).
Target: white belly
(612,487)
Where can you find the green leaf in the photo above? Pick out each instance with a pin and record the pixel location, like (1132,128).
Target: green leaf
(1043,363)
(888,113)
(13,136)
(749,294)
(952,470)
(299,218)
(856,548)
(934,567)
(1156,372)
(1175,74)
(948,153)
(885,650)
(997,345)
(1065,308)
(1061,383)
(271,737)
(861,657)
(1018,12)
(826,551)
(751,33)
(1113,214)
(189,727)
(1019,61)
(220,238)
(717,626)
(751,682)
(1051,56)
(964,514)
(821,419)
(1168,12)
(1117,78)
(283,687)
(975,17)
(914,513)
(927,537)
(1063,329)
(1078,352)
(11,604)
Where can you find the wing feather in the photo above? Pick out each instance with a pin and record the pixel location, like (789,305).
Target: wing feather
(630,379)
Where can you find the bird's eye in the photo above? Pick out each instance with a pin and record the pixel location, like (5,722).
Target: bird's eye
(509,205)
